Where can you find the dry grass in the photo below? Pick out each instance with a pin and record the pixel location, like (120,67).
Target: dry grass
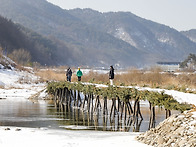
(48,75)
(59,75)
(154,78)
(1,87)
(157,79)
(94,77)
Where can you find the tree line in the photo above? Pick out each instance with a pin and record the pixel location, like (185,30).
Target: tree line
(27,47)
(189,62)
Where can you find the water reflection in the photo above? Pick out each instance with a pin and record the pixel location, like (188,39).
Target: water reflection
(76,118)
(24,114)
(50,115)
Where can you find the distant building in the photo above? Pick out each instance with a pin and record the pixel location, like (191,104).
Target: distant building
(169,66)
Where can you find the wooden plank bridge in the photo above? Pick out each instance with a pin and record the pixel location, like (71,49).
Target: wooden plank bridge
(112,102)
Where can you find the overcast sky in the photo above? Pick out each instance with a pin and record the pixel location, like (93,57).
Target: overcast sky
(178,14)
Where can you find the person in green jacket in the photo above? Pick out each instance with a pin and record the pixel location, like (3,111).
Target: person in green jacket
(79,74)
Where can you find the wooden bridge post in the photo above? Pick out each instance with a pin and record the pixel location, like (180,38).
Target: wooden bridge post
(85,99)
(105,105)
(77,99)
(74,97)
(168,113)
(125,112)
(122,109)
(71,96)
(88,102)
(59,95)
(56,94)
(113,109)
(152,116)
(92,97)
(129,106)
(62,95)
(139,111)
(66,96)
(119,104)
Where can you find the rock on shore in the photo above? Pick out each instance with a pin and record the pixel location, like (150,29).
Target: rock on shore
(176,131)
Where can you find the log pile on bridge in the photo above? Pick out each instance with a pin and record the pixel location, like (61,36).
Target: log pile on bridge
(125,101)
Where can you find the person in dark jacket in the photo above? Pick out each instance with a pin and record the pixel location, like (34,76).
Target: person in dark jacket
(111,75)
(69,74)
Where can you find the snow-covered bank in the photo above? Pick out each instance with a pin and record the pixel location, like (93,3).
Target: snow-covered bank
(17,85)
(32,137)
(181,97)
(177,130)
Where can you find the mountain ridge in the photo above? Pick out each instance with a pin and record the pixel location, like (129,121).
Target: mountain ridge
(146,29)
(101,39)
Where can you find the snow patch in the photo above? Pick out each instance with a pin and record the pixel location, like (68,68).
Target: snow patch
(22,137)
(194,114)
(123,35)
(2,84)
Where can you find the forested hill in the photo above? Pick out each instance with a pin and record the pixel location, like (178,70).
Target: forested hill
(26,46)
(158,41)
(88,37)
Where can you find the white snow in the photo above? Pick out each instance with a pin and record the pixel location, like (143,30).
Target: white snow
(18,85)
(181,97)
(2,84)
(32,137)
(122,34)
(194,114)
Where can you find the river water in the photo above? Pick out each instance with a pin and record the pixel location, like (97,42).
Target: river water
(45,114)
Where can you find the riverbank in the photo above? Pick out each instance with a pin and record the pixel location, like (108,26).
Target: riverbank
(31,137)
(177,130)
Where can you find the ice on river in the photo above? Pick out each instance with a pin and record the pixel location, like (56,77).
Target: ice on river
(31,137)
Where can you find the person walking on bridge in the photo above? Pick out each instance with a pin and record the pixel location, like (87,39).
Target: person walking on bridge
(79,74)
(69,74)
(111,75)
